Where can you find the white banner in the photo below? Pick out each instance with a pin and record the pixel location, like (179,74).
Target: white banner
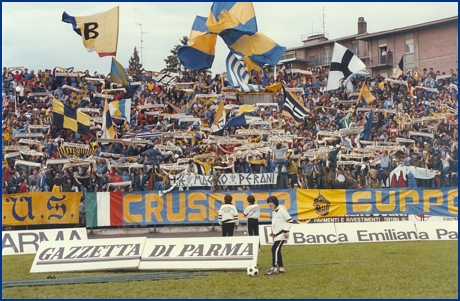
(204,253)
(89,255)
(234,179)
(359,232)
(303,234)
(377,232)
(439,230)
(28,241)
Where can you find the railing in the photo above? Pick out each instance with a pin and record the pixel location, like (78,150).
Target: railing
(382,61)
(319,62)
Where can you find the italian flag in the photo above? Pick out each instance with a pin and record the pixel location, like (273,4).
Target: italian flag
(104,209)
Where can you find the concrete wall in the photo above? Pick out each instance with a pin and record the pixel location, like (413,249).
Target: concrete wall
(259,97)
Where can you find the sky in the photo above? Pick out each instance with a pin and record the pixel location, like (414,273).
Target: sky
(34,36)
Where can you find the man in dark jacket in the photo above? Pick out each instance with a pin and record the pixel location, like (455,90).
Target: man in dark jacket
(13,183)
(333,155)
(153,157)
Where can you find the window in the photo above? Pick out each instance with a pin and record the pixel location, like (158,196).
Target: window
(409,58)
(290,55)
(314,61)
(410,45)
(327,56)
(355,48)
(383,54)
(382,42)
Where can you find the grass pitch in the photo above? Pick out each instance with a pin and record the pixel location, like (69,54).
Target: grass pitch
(395,270)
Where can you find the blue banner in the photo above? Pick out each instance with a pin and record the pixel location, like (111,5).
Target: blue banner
(313,203)
(195,207)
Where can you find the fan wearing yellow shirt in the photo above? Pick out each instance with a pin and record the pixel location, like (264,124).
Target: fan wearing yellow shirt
(207,163)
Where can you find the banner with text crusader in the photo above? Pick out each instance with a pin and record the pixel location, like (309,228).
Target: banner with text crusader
(195,207)
(329,203)
(38,208)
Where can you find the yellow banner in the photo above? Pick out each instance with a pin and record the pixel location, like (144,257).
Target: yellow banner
(313,203)
(39,208)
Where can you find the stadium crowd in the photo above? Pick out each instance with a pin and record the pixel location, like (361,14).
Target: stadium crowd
(413,124)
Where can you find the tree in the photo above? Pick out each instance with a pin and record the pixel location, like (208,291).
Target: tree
(172,61)
(134,63)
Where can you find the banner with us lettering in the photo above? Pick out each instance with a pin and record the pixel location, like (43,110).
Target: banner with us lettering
(234,179)
(40,208)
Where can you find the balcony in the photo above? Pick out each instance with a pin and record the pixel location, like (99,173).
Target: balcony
(319,62)
(380,62)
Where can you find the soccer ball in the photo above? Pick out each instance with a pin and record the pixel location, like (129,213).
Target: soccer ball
(252,271)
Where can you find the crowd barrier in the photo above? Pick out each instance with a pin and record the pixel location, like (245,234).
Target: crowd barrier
(202,207)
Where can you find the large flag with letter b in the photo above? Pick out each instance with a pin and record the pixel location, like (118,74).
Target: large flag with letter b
(99,32)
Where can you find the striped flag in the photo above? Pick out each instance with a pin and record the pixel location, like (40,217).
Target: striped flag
(121,108)
(108,129)
(104,209)
(238,75)
(343,64)
(294,107)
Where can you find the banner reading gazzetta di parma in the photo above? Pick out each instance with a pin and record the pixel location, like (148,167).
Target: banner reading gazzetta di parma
(201,207)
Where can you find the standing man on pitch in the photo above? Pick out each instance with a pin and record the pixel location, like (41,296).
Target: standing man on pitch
(281,223)
(228,216)
(252,212)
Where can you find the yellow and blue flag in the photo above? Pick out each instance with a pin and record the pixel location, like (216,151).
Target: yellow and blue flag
(99,32)
(108,129)
(68,118)
(366,94)
(218,125)
(245,109)
(237,16)
(236,24)
(367,129)
(75,99)
(237,122)
(118,74)
(121,108)
(200,51)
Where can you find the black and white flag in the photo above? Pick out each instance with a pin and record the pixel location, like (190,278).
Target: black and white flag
(293,107)
(399,68)
(343,64)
